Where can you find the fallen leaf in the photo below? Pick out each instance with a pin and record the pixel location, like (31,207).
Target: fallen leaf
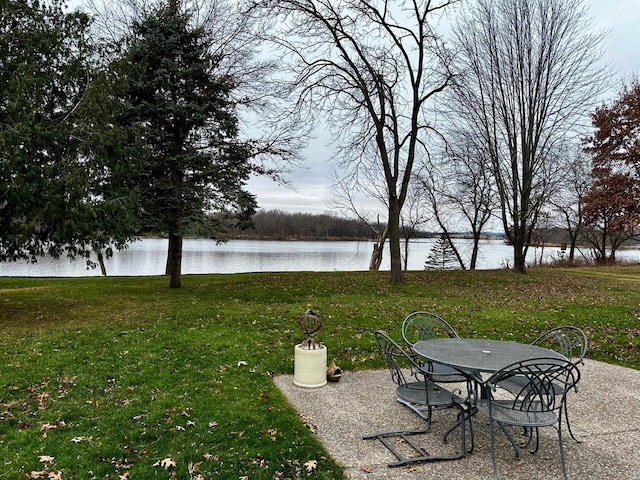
(193,467)
(45,459)
(308,422)
(165,463)
(311,465)
(35,474)
(49,426)
(366,469)
(213,424)
(55,476)
(80,439)
(241,363)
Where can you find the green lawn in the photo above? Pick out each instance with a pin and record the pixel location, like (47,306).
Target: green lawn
(116,377)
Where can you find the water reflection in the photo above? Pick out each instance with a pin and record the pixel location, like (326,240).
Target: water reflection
(148,257)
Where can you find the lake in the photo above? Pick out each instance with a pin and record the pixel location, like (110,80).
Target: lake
(148,257)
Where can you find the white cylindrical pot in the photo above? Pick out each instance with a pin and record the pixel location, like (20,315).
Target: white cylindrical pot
(310,367)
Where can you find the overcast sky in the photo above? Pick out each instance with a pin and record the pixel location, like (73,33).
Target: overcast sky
(621,18)
(311,193)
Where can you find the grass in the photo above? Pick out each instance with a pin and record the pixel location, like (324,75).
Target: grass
(121,377)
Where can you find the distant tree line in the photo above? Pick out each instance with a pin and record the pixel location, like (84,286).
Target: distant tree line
(278,224)
(282,225)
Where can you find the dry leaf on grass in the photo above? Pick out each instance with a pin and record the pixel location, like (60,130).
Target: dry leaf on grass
(165,463)
(193,467)
(35,474)
(311,465)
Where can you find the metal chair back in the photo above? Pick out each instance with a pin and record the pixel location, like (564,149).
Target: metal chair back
(424,326)
(397,358)
(567,340)
(546,383)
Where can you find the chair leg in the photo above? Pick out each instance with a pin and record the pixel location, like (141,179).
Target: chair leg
(562,461)
(418,411)
(421,455)
(466,412)
(492,435)
(516,448)
(566,419)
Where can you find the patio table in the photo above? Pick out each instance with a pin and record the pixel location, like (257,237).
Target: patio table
(478,354)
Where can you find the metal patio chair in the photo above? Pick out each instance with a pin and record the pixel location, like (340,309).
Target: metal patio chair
(418,392)
(570,342)
(539,403)
(424,326)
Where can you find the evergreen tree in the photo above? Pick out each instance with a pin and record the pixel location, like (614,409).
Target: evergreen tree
(56,194)
(186,119)
(441,256)
(42,77)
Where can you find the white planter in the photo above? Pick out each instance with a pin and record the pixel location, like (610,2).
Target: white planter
(310,367)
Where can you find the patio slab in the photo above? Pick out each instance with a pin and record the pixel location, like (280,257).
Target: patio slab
(605,415)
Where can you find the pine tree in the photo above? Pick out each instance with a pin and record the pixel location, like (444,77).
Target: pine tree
(186,118)
(441,256)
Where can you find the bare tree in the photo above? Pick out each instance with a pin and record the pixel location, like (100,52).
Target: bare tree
(348,191)
(463,187)
(568,201)
(371,68)
(415,214)
(529,72)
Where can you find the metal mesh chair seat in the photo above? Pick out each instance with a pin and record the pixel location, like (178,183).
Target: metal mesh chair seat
(444,373)
(502,411)
(437,397)
(515,384)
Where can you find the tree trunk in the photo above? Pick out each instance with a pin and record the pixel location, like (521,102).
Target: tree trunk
(174,261)
(394,240)
(378,250)
(100,255)
(406,253)
(376,256)
(167,267)
(519,256)
(572,249)
(474,251)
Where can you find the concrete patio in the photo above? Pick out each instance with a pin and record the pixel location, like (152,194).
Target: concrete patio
(605,415)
